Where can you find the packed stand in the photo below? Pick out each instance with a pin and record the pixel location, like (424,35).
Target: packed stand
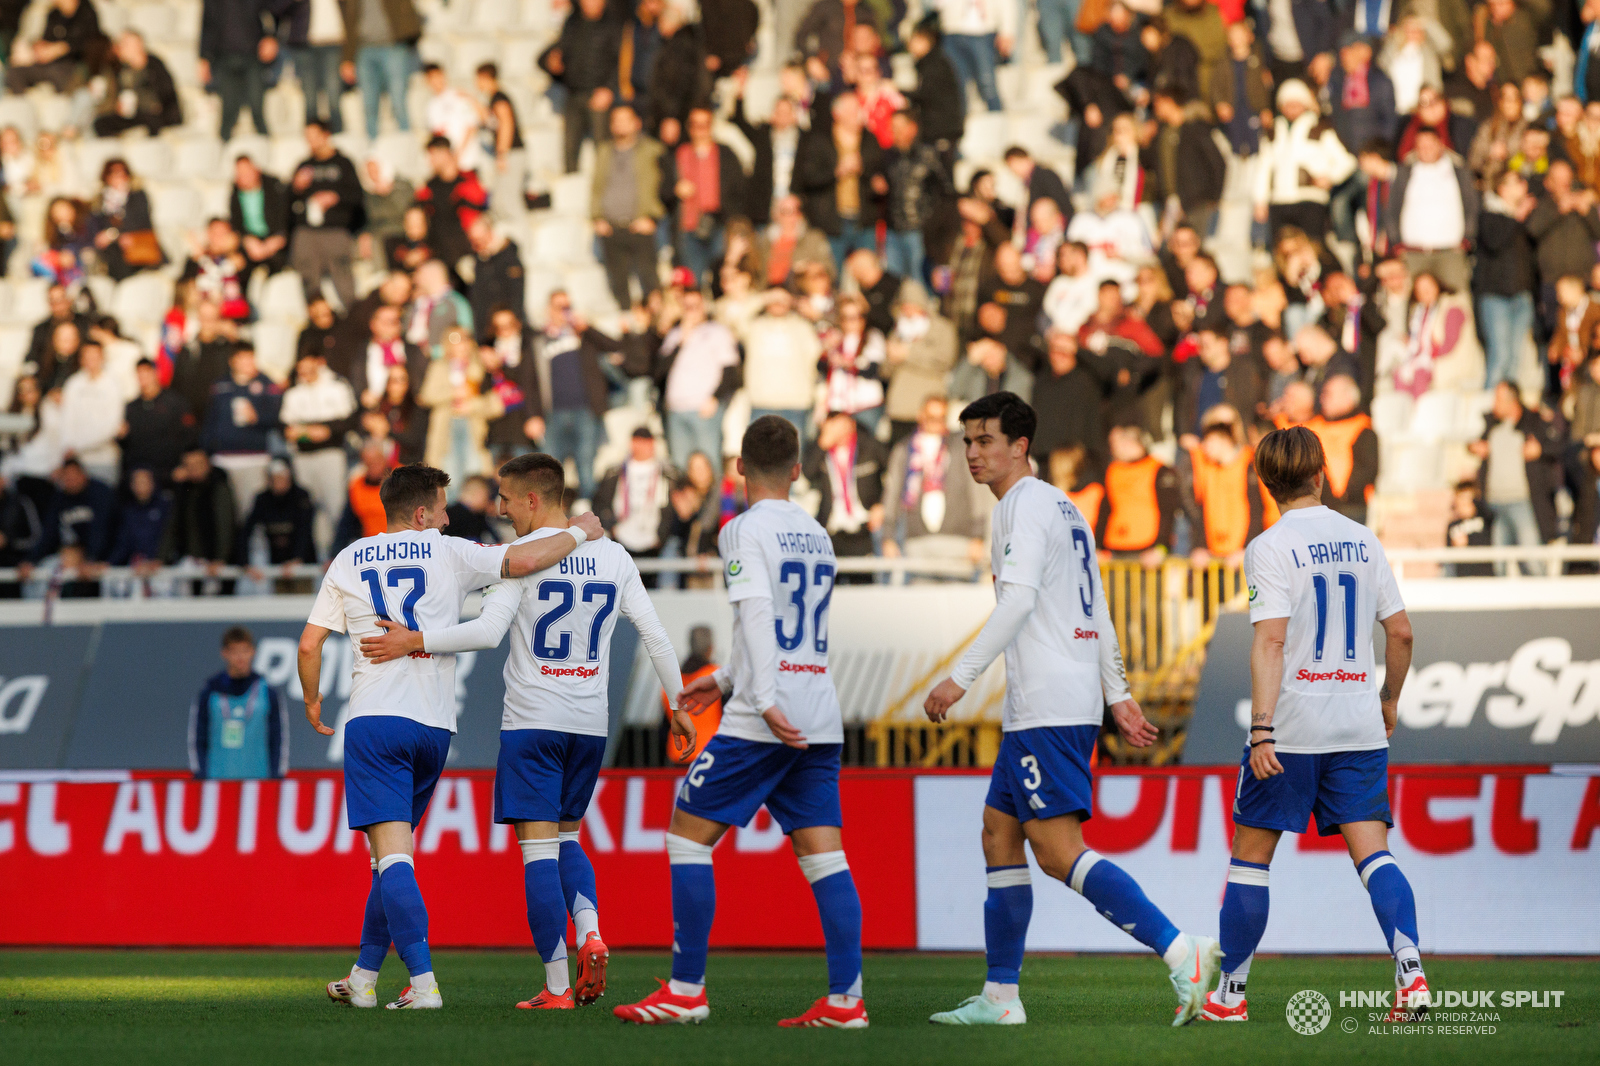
(258,254)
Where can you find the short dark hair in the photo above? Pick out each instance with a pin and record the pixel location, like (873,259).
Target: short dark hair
(145,361)
(409,487)
(1016,151)
(1287,460)
(237,635)
(1176,93)
(491,69)
(310,122)
(1379,147)
(429,68)
(1017,419)
(770,447)
(538,473)
(439,140)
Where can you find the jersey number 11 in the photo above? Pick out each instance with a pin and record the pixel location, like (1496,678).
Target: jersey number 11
(1347,589)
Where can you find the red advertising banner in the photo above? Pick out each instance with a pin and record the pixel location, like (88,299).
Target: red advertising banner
(117,858)
(149,859)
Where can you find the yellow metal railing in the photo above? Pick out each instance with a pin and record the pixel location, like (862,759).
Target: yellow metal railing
(1163,616)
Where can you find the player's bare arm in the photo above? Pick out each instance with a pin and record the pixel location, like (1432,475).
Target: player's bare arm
(310,662)
(945,695)
(783,729)
(700,694)
(1397,659)
(532,556)
(1132,724)
(1266,678)
(682,728)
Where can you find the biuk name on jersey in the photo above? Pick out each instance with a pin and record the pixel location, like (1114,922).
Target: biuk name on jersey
(418,578)
(1064,663)
(557,673)
(1329,577)
(777,552)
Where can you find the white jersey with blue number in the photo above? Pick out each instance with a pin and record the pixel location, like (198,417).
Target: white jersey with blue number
(1329,577)
(559,667)
(1053,668)
(418,578)
(777,551)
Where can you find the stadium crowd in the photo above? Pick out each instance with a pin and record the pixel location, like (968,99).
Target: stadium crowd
(1376,219)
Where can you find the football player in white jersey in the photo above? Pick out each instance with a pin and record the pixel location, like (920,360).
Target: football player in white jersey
(778,744)
(1063,667)
(553,731)
(1319,721)
(401,714)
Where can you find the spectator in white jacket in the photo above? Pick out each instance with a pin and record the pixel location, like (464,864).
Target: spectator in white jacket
(1074,293)
(781,354)
(318,410)
(91,413)
(976,34)
(1301,162)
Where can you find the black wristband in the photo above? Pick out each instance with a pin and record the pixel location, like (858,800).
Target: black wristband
(1266,728)
(1258,743)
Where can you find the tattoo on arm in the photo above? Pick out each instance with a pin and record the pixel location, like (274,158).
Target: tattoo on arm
(1259,718)
(1384,694)
(505,565)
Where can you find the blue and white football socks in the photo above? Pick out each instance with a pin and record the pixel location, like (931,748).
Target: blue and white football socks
(1006,912)
(407,917)
(1396,909)
(694,905)
(1120,899)
(547,913)
(577,886)
(1243,921)
(839,906)
(374,933)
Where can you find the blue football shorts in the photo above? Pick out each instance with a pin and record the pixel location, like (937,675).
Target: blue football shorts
(391,765)
(1337,787)
(1044,772)
(732,778)
(545,776)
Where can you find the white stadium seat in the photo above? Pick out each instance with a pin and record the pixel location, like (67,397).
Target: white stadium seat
(14,341)
(155,22)
(275,343)
(1435,415)
(145,297)
(283,299)
(1391,414)
(174,204)
(30,300)
(197,157)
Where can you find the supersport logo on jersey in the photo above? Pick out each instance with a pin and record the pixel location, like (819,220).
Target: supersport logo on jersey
(572,671)
(1086,634)
(787,667)
(1332,675)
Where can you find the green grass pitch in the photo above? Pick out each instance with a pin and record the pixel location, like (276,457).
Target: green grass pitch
(212,1008)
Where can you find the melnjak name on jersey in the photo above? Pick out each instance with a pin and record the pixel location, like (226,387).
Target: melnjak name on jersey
(804,542)
(394,549)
